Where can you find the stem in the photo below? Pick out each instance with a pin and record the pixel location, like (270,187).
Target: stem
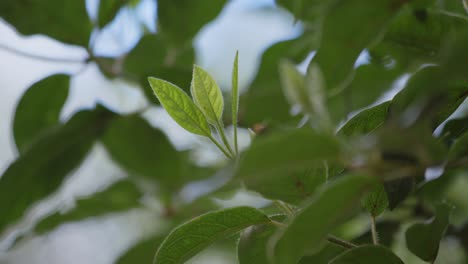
(227,154)
(284,207)
(375,236)
(278,224)
(223,137)
(40,57)
(340,242)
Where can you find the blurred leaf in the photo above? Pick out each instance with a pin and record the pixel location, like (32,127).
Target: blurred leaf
(207,95)
(66,21)
(39,109)
(453,129)
(252,245)
(180,107)
(235,98)
(266,88)
(192,237)
(143,252)
(108,9)
(367,254)
(289,165)
(309,11)
(42,168)
(423,239)
(340,48)
(366,121)
(336,204)
(119,197)
(153,57)
(293,84)
(398,190)
(144,150)
(323,256)
(376,201)
(387,232)
(459,148)
(195,15)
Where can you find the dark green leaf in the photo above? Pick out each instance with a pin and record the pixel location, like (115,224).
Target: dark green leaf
(39,109)
(423,239)
(367,254)
(108,10)
(459,148)
(42,168)
(66,21)
(180,107)
(398,190)
(143,150)
(387,231)
(119,197)
(376,201)
(252,245)
(321,215)
(366,121)
(287,166)
(327,253)
(266,87)
(192,237)
(143,252)
(453,129)
(340,48)
(180,20)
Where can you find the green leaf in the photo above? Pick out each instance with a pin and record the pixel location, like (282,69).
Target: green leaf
(367,254)
(376,201)
(144,151)
(119,197)
(179,106)
(320,216)
(66,21)
(192,237)
(366,121)
(39,109)
(340,48)
(48,161)
(143,252)
(459,149)
(207,95)
(195,15)
(398,190)
(423,239)
(252,245)
(323,256)
(287,166)
(235,98)
(108,9)
(453,129)
(293,84)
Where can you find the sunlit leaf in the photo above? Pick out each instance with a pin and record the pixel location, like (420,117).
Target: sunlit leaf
(423,239)
(39,109)
(321,215)
(42,168)
(180,107)
(192,237)
(207,95)
(367,254)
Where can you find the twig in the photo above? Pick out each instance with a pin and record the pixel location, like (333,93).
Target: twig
(340,242)
(40,57)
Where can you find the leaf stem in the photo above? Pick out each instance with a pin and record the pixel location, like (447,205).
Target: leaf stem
(375,236)
(278,224)
(340,242)
(284,207)
(220,129)
(227,154)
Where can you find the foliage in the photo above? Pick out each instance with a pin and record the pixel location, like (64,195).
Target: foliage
(357,153)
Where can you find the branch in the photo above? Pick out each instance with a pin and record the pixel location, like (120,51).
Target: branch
(40,57)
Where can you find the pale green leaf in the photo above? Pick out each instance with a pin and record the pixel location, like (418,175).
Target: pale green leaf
(207,95)
(321,215)
(235,98)
(367,254)
(192,237)
(293,84)
(179,106)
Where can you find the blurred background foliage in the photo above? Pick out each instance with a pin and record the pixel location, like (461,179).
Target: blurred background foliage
(94,170)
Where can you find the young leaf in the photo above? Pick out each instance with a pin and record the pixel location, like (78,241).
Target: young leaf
(321,215)
(375,201)
(39,109)
(423,239)
(179,106)
(207,95)
(235,98)
(192,237)
(367,254)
